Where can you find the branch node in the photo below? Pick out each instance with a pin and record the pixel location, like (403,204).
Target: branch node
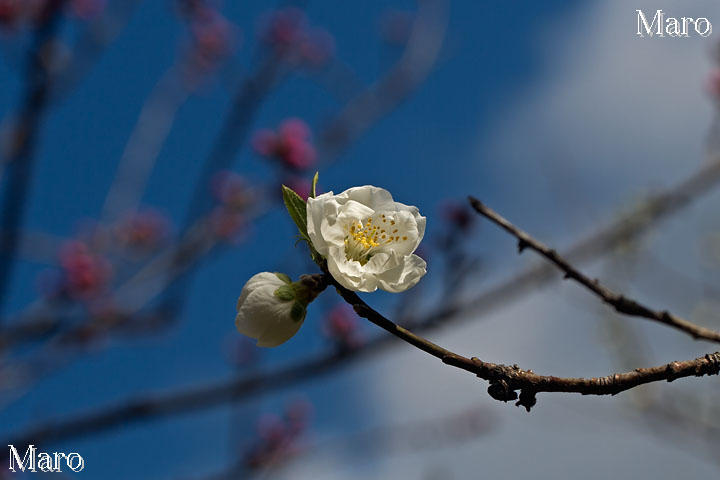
(714,361)
(500,390)
(527,399)
(522,245)
(672,368)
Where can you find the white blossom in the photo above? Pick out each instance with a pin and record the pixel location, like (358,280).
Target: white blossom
(268,309)
(367,238)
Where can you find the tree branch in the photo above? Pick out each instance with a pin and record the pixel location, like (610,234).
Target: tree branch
(21,157)
(620,303)
(505,380)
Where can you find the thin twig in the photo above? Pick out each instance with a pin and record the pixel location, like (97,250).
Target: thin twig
(620,303)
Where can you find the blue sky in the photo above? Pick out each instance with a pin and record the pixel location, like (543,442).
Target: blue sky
(554,113)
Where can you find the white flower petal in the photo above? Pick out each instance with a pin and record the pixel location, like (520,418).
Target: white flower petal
(257,281)
(375,198)
(323,208)
(353,211)
(278,333)
(419,219)
(404,276)
(406,229)
(367,238)
(348,273)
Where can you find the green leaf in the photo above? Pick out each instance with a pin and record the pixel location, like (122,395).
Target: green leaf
(297,312)
(313,190)
(297,208)
(283,277)
(286,293)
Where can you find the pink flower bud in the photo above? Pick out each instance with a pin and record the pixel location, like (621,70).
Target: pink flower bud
(290,145)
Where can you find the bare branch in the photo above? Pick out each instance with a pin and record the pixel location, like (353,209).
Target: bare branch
(505,380)
(620,303)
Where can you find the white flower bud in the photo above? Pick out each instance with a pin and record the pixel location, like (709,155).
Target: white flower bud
(269,309)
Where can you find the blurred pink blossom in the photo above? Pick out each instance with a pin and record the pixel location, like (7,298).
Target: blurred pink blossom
(290,144)
(279,437)
(396,26)
(341,327)
(10,11)
(458,215)
(282,28)
(288,32)
(85,273)
(146,229)
(231,190)
(298,413)
(227,225)
(213,37)
(301,186)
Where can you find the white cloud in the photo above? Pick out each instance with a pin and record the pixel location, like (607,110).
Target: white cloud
(611,104)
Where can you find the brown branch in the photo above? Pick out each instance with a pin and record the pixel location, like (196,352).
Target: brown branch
(505,380)
(620,303)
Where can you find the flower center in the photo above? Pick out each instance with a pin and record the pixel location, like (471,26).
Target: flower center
(365,237)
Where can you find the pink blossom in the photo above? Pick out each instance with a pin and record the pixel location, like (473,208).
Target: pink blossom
(282,28)
(146,229)
(301,186)
(458,215)
(277,436)
(228,225)
(85,273)
(231,190)
(288,32)
(341,326)
(290,145)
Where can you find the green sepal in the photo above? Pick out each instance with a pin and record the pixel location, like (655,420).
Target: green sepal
(283,277)
(286,293)
(313,189)
(297,208)
(298,312)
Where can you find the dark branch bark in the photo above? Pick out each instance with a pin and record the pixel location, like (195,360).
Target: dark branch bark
(620,303)
(506,380)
